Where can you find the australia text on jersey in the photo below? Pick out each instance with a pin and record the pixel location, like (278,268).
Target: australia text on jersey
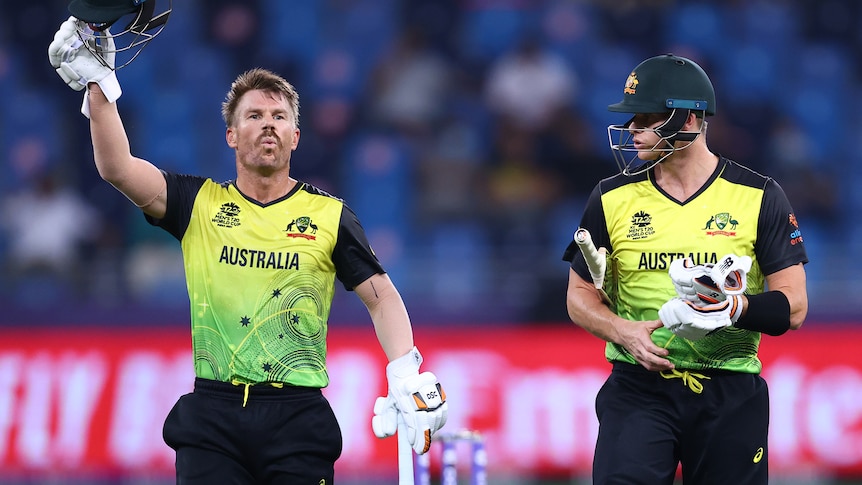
(254,258)
(662,260)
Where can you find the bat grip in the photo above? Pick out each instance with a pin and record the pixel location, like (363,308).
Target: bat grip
(405,454)
(594,259)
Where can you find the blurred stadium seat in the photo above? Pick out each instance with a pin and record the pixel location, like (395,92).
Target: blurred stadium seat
(769,60)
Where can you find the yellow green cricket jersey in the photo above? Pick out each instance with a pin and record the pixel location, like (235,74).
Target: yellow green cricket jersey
(737,211)
(261,277)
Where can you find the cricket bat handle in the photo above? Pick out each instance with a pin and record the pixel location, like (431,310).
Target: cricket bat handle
(595,260)
(405,454)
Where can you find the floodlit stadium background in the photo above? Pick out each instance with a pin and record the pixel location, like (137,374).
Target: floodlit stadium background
(469,177)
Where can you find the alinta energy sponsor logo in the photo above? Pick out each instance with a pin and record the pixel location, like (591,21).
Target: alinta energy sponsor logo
(796,235)
(301,227)
(641,227)
(721,224)
(228,215)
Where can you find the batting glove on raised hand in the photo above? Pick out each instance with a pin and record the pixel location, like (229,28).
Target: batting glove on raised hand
(77,66)
(694,322)
(419,398)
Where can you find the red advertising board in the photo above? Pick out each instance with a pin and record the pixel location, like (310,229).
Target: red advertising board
(92,401)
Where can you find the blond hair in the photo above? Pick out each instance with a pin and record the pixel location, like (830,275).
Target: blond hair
(263,80)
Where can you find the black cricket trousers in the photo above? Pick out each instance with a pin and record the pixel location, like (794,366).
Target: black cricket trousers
(713,423)
(242,435)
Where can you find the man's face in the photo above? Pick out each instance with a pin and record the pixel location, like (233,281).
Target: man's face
(264,132)
(644,137)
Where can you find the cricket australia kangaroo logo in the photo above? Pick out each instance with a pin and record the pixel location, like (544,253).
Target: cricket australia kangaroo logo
(301,227)
(725,225)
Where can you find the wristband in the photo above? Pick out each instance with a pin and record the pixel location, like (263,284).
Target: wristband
(767,313)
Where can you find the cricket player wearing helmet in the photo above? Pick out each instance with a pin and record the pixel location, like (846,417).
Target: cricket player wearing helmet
(707,257)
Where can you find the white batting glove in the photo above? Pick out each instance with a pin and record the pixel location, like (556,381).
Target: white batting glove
(733,271)
(684,274)
(418,397)
(77,66)
(698,283)
(694,322)
(385,420)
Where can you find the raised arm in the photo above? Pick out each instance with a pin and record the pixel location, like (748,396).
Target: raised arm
(138,179)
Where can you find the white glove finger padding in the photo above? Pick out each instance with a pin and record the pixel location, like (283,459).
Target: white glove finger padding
(669,314)
(426,425)
(683,273)
(676,317)
(428,410)
(695,322)
(385,420)
(733,271)
(70,77)
(66,42)
(441,417)
(709,284)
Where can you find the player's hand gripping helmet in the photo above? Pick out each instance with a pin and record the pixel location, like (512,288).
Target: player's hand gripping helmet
(97,16)
(662,84)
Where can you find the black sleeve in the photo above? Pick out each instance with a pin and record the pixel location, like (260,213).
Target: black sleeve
(779,240)
(354,259)
(182,191)
(594,221)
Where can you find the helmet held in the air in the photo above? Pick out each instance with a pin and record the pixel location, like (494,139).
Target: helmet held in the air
(663,84)
(98,16)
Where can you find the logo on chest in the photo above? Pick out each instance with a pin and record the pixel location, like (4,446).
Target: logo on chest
(301,227)
(641,226)
(227,215)
(721,224)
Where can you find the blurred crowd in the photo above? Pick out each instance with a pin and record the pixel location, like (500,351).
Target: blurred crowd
(466,134)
